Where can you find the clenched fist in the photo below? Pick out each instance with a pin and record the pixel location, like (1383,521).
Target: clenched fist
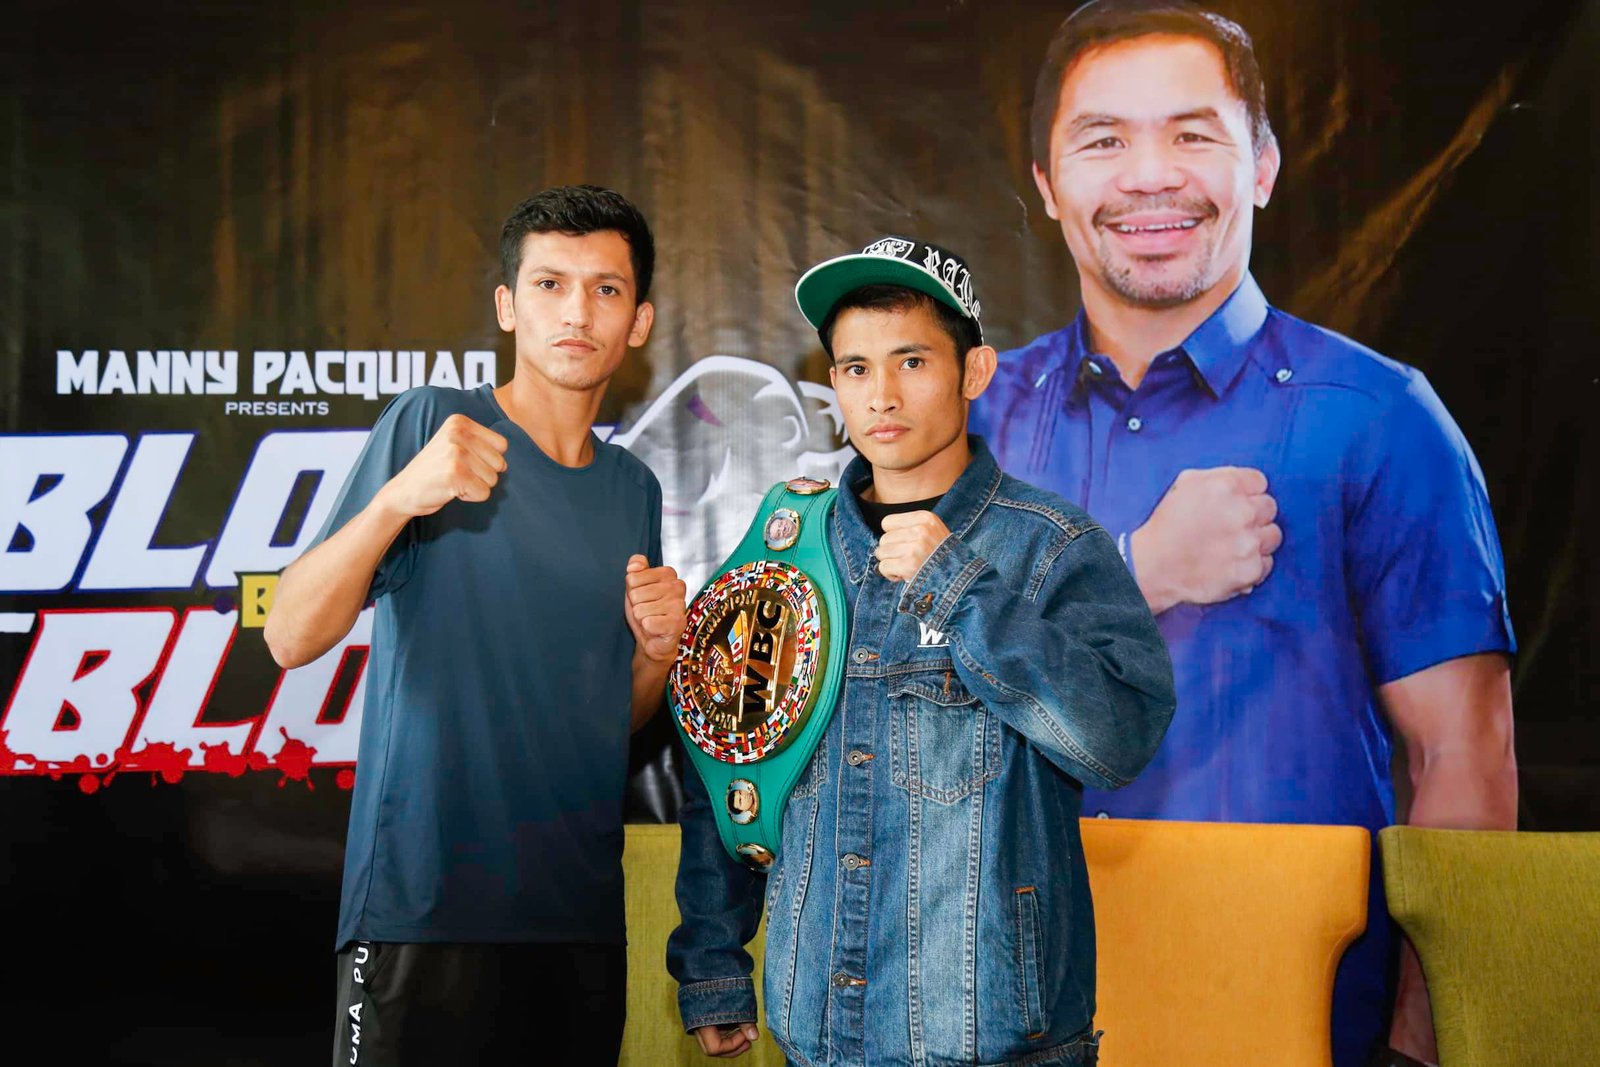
(1210,539)
(909,538)
(654,608)
(462,461)
(727,1042)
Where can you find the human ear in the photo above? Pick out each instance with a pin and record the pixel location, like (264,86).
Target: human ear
(1268,160)
(1041,181)
(644,316)
(981,364)
(505,311)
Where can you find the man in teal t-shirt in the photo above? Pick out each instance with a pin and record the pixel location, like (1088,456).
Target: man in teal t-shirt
(524,624)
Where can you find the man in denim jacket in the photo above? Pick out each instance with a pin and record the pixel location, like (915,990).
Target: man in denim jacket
(930,903)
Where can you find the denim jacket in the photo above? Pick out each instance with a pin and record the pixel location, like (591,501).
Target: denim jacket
(930,903)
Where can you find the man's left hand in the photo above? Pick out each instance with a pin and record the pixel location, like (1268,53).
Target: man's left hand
(655,608)
(909,538)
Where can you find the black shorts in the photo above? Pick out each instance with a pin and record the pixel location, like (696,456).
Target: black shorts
(404,1004)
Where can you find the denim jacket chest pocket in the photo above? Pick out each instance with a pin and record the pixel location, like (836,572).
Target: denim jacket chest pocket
(943,743)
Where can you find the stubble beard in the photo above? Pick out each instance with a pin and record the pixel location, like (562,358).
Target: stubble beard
(582,381)
(579,376)
(1122,275)
(1124,278)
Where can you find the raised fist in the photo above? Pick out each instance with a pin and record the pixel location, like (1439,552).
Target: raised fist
(462,461)
(655,608)
(1210,539)
(909,538)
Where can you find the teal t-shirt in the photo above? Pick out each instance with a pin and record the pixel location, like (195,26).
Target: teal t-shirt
(494,741)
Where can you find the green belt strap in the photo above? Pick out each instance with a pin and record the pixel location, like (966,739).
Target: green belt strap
(760,666)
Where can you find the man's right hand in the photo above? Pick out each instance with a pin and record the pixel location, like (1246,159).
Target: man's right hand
(1210,539)
(726,1042)
(462,461)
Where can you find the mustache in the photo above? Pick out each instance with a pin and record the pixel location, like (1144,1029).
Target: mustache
(1107,214)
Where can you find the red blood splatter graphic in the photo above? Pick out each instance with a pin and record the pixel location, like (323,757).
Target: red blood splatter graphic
(294,760)
(220,759)
(9,758)
(162,758)
(14,762)
(80,765)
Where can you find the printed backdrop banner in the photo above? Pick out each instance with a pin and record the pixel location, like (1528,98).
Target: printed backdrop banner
(230,235)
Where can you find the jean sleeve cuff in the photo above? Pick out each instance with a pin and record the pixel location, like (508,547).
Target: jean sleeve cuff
(932,592)
(717,1002)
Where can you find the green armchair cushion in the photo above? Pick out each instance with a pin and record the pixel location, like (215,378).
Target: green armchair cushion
(1507,926)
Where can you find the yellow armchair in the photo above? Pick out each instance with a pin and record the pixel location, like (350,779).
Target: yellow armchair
(1218,942)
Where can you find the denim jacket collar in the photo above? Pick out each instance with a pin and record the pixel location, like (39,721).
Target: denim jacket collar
(958,509)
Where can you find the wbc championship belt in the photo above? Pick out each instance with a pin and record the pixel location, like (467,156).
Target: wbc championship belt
(760,666)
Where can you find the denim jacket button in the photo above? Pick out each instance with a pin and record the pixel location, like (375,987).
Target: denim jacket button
(841,980)
(864,655)
(853,862)
(924,605)
(857,757)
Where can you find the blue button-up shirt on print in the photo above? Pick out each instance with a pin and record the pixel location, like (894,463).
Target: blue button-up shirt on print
(930,902)
(1389,564)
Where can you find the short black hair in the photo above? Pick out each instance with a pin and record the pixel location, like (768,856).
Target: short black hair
(1105,22)
(575,210)
(962,330)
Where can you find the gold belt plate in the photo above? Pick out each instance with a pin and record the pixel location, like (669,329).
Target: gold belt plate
(752,647)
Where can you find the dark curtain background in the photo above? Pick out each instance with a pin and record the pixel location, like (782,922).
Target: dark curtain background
(310,175)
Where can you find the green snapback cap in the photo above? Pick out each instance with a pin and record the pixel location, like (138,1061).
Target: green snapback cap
(918,265)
